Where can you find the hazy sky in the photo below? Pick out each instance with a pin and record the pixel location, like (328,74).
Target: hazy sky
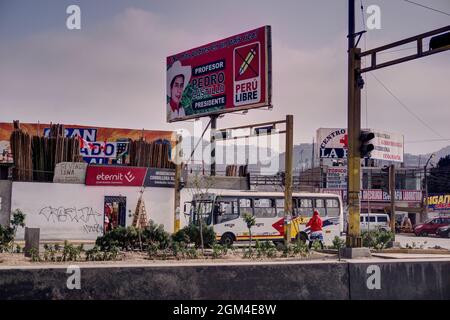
(112,71)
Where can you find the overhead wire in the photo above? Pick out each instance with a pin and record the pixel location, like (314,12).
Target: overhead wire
(427,7)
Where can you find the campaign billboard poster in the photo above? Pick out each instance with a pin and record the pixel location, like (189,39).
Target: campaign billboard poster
(223,76)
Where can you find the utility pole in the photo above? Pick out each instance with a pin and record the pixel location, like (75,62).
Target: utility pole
(213,144)
(425,202)
(355,83)
(353,239)
(177,186)
(392,195)
(288,177)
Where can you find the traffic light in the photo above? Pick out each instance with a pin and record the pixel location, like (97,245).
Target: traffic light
(385,178)
(365,146)
(440,41)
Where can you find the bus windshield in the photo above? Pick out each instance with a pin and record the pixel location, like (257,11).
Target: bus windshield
(201,210)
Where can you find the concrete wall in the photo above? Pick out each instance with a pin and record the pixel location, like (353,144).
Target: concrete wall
(75,211)
(245,281)
(217,282)
(5,201)
(402,280)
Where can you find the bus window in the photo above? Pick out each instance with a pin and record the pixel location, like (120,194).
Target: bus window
(226,210)
(245,207)
(264,208)
(332,207)
(320,206)
(305,207)
(202,209)
(280,207)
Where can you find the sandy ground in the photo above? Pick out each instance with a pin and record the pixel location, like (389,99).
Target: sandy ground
(141,258)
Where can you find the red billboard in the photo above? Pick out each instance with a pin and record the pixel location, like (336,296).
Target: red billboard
(223,76)
(115,176)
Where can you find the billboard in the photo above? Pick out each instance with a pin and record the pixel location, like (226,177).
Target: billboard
(337,177)
(223,76)
(115,176)
(439,202)
(98,145)
(333,144)
(388,146)
(129,176)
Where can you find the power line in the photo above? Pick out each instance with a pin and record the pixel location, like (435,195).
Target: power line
(406,107)
(426,7)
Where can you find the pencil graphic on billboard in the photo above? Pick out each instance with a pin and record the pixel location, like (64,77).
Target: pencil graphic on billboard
(247,78)
(247,61)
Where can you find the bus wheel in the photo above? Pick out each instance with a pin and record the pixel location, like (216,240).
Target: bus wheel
(301,236)
(227,239)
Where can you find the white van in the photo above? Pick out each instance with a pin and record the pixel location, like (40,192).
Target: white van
(375,221)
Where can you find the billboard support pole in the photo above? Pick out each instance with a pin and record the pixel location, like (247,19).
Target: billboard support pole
(392,194)
(213,144)
(288,177)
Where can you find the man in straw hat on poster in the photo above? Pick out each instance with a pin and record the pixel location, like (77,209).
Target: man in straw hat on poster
(178,77)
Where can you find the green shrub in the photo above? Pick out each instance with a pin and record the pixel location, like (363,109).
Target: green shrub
(300,248)
(8,233)
(338,243)
(95,254)
(265,249)
(131,238)
(376,239)
(219,251)
(155,233)
(191,234)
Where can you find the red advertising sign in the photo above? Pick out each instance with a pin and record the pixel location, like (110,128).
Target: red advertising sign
(223,76)
(115,176)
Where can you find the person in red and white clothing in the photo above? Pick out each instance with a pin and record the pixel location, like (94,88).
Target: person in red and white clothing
(315,228)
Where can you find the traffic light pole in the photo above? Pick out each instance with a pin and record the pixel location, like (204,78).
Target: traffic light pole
(354,157)
(354,107)
(392,195)
(288,176)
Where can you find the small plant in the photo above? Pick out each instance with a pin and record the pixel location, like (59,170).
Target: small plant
(338,243)
(191,234)
(34,255)
(152,249)
(95,254)
(191,253)
(8,233)
(50,252)
(71,252)
(248,253)
(250,220)
(219,251)
(265,249)
(300,248)
(377,239)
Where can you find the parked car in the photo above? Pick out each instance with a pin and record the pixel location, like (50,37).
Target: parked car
(375,221)
(430,226)
(443,232)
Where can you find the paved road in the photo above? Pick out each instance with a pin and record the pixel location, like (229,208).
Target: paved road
(427,242)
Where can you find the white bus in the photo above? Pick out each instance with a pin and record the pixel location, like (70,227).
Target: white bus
(225,210)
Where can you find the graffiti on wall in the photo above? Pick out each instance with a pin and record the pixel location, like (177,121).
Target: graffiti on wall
(87,216)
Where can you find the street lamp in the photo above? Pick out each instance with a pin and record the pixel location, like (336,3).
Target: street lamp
(426,184)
